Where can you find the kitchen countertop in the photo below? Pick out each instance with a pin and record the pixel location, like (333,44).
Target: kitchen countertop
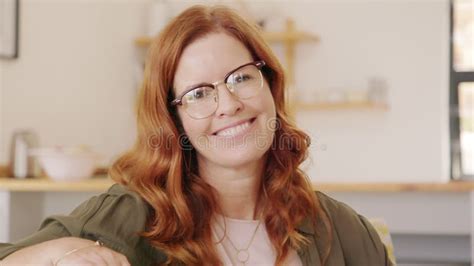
(102,183)
(95,184)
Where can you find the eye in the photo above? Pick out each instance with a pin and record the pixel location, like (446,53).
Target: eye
(239,78)
(243,78)
(198,94)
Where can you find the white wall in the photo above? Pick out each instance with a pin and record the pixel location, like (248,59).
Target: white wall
(74,82)
(406,43)
(2,149)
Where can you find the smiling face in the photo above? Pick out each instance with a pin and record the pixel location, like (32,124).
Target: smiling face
(238,133)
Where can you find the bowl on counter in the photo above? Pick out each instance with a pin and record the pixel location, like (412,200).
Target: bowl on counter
(67,163)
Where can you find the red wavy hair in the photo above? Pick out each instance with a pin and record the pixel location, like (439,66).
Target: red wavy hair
(162,165)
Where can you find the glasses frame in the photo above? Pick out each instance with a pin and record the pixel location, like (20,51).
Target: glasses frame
(179,100)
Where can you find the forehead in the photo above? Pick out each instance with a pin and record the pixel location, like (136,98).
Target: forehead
(209,59)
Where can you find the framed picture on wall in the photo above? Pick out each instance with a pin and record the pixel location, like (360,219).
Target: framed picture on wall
(9,16)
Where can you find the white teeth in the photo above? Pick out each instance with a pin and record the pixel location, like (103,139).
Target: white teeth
(234,130)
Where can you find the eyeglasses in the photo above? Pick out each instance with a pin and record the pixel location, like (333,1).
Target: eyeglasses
(201,101)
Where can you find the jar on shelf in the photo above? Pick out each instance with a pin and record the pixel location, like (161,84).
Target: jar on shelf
(22,164)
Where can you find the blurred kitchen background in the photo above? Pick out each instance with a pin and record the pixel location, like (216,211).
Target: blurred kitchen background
(386,96)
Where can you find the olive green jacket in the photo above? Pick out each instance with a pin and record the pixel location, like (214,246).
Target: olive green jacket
(116,218)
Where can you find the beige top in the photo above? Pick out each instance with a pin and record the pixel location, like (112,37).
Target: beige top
(239,235)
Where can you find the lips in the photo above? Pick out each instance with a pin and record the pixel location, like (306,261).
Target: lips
(234,129)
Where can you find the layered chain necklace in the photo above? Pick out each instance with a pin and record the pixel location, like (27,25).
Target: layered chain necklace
(242,254)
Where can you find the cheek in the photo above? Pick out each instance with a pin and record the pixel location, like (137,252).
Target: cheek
(197,135)
(193,128)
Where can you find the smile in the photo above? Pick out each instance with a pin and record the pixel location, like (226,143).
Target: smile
(235,130)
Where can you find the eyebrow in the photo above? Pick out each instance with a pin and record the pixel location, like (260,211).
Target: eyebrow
(209,83)
(201,84)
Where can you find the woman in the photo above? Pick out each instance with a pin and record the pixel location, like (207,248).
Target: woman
(213,177)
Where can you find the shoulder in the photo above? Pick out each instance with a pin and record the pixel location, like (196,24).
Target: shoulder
(339,213)
(353,235)
(117,218)
(122,200)
(108,211)
(118,202)
(120,212)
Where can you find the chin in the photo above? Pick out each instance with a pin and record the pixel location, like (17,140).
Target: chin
(241,154)
(238,159)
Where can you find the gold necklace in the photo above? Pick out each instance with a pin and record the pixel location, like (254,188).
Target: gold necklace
(242,253)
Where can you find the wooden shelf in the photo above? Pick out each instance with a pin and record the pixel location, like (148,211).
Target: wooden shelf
(291,36)
(143,41)
(339,106)
(285,37)
(95,184)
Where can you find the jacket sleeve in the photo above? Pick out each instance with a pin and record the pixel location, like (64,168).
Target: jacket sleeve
(354,235)
(116,218)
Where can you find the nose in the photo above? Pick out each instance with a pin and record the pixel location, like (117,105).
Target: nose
(227,103)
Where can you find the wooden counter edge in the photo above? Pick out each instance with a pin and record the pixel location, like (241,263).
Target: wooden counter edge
(96,184)
(102,184)
(452,186)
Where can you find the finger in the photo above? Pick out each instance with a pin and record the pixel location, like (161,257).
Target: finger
(84,257)
(82,260)
(121,260)
(112,257)
(108,256)
(99,257)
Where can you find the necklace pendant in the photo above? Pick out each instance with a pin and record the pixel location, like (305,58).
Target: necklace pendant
(243,256)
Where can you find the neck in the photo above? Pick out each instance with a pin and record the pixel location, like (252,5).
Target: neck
(237,189)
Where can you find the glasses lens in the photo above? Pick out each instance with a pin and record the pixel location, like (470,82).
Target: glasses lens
(245,82)
(200,102)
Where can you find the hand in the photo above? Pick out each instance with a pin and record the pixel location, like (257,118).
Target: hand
(58,252)
(86,252)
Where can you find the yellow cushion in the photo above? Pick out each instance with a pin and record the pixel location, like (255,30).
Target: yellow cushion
(382,229)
